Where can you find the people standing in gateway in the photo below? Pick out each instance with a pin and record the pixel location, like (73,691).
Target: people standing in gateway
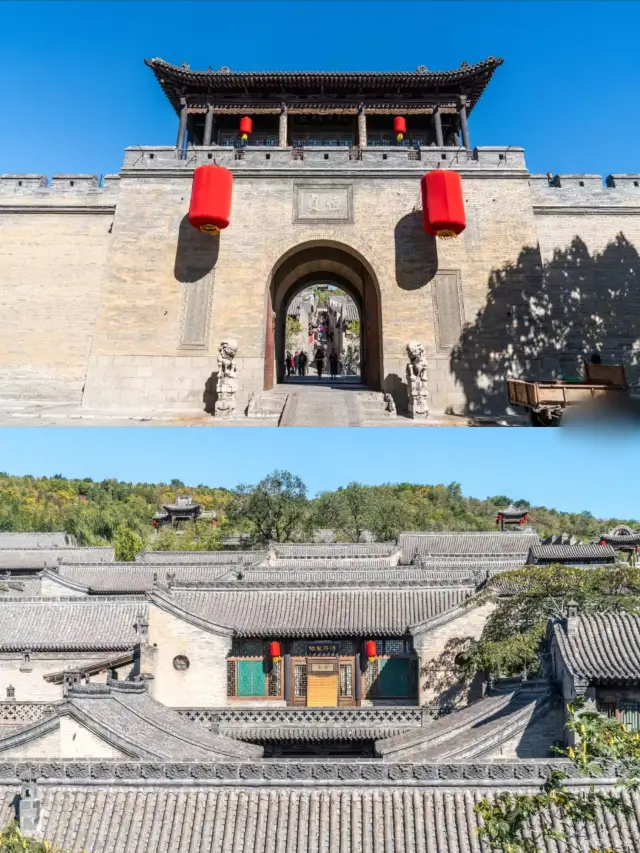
(302,363)
(289,363)
(333,363)
(296,363)
(319,360)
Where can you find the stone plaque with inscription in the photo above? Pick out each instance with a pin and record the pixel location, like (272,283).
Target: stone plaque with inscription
(196,313)
(447,308)
(322,203)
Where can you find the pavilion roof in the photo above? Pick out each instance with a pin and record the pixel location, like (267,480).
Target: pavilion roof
(179,81)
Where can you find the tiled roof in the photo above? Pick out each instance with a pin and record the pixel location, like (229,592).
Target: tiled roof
(473,731)
(284,564)
(12,586)
(497,544)
(174,80)
(144,728)
(580,551)
(392,575)
(310,734)
(194,816)
(60,539)
(602,646)
(139,577)
(82,624)
(38,558)
(222,558)
(320,612)
(328,551)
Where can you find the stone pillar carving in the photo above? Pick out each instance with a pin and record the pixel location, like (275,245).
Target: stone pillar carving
(182,127)
(227,382)
(437,120)
(417,381)
(464,126)
(362,127)
(283,130)
(208,127)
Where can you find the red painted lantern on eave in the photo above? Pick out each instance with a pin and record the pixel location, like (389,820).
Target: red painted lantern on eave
(210,206)
(246,127)
(274,650)
(370,650)
(603,542)
(442,203)
(399,127)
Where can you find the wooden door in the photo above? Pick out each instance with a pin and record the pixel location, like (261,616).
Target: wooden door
(322,683)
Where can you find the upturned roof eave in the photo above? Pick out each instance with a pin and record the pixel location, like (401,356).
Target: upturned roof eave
(174,79)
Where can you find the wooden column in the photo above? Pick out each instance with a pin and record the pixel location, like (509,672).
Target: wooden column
(464,126)
(283,127)
(437,120)
(362,127)
(182,127)
(357,674)
(208,127)
(287,678)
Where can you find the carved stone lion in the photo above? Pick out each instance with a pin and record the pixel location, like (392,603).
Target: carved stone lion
(417,381)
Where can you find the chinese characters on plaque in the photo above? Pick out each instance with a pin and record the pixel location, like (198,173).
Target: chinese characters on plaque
(323,203)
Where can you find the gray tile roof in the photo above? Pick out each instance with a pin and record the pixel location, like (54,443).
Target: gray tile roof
(398,576)
(473,731)
(342,563)
(107,817)
(60,539)
(601,646)
(16,585)
(224,558)
(331,550)
(516,543)
(80,624)
(579,551)
(139,577)
(320,612)
(38,558)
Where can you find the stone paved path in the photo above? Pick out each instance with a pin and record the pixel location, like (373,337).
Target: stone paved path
(321,406)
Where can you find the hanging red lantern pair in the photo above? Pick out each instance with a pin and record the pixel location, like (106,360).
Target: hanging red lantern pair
(370,650)
(443,213)
(210,206)
(274,651)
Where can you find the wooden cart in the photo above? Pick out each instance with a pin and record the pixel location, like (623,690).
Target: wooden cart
(546,400)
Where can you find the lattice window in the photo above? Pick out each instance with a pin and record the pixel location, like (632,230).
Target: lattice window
(394,647)
(274,680)
(609,709)
(300,680)
(371,680)
(231,678)
(249,648)
(346,680)
(298,648)
(630,715)
(346,647)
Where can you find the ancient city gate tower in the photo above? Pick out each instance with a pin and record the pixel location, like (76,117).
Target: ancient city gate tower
(111,298)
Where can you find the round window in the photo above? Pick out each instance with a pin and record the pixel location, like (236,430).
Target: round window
(181,662)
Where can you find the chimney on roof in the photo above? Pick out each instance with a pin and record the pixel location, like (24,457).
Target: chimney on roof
(573,609)
(29,807)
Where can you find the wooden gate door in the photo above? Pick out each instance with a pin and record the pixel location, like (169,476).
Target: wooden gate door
(322,683)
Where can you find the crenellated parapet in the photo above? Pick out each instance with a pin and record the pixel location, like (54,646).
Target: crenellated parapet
(60,188)
(585,194)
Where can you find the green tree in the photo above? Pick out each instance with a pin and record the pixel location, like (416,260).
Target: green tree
(354,328)
(127,545)
(348,511)
(293,329)
(13,841)
(527,598)
(524,823)
(275,510)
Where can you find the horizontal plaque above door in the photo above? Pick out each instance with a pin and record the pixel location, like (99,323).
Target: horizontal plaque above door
(322,203)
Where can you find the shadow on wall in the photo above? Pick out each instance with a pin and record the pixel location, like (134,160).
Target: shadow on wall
(399,390)
(541,321)
(210,394)
(196,253)
(416,253)
(440,676)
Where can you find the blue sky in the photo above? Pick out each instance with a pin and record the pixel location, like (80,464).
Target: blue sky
(561,469)
(75,91)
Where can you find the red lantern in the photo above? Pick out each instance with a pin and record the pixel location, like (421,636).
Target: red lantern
(214,522)
(154,522)
(399,127)
(246,126)
(370,650)
(442,203)
(603,542)
(499,516)
(210,206)
(274,650)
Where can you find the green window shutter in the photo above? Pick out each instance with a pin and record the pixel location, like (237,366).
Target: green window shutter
(393,677)
(630,715)
(252,680)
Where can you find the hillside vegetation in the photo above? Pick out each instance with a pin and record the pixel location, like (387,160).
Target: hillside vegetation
(277,508)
